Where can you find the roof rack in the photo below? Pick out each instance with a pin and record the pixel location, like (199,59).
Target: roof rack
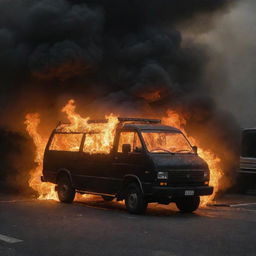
(61,123)
(97,121)
(120,119)
(139,120)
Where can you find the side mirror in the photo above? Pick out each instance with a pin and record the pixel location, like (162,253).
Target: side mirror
(126,148)
(194,149)
(138,150)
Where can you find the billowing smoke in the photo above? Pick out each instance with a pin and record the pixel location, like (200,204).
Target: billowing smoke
(233,61)
(125,56)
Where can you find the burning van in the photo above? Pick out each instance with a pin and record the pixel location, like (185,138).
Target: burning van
(147,162)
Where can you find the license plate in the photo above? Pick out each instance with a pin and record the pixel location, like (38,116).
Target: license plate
(189,192)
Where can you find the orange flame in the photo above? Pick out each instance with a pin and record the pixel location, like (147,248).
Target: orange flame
(99,142)
(45,190)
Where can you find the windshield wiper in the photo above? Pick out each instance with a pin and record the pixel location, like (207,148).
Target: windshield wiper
(183,150)
(162,149)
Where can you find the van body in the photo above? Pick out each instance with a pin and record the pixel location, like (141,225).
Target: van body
(139,169)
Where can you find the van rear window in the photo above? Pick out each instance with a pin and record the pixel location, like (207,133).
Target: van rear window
(66,142)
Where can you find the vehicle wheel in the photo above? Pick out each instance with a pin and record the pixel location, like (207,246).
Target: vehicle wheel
(65,190)
(134,199)
(188,204)
(108,198)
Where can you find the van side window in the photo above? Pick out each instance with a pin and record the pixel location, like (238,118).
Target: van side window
(94,143)
(131,138)
(66,142)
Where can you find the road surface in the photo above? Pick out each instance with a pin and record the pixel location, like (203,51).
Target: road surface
(30,227)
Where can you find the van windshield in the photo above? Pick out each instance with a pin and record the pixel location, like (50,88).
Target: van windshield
(166,142)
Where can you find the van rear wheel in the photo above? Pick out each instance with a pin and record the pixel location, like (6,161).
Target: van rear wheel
(188,204)
(65,190)
(134,199)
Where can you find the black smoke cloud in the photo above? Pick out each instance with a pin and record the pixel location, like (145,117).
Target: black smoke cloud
(114,53)
(113,44)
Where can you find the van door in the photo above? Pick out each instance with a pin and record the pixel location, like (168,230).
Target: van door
(128,160)
(62,154)
(93,165)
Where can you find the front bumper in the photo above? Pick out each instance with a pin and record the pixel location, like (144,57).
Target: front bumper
(163,192)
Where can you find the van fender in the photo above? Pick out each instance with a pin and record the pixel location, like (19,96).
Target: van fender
(64,171)
(133,177)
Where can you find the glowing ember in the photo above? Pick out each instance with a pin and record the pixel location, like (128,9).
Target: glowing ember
(151,96)
(101,142)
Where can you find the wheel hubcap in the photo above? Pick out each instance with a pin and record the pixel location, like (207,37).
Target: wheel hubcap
(132,200)
(63,190)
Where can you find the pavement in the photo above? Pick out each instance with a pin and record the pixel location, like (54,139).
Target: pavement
(235,200)
(90,226)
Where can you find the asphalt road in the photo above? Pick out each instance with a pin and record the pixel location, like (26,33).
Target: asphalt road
(94,227)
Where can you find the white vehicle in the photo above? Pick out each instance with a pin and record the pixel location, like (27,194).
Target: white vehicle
(248,152)
(247,169)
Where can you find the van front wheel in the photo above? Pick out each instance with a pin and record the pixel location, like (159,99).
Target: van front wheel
(188,204)
(134,199)
(65,190)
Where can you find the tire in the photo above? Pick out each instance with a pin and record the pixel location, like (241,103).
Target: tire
(108,198)
(65,190)
(134,199)
(188,204)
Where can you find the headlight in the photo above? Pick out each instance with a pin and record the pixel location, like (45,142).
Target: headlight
(206,174)
(162,175)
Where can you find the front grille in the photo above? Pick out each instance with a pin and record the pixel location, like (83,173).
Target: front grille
(187,184)
(185,176)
